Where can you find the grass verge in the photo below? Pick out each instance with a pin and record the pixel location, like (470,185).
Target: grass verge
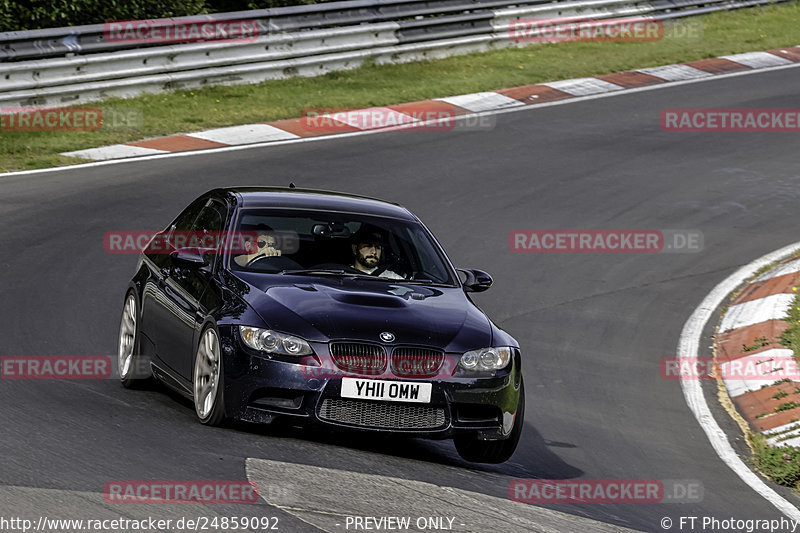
(186,111)
(782,463)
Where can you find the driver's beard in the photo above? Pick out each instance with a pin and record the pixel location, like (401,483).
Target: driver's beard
(362,260)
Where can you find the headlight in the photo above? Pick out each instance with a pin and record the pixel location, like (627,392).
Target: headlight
(486,359)
(266,340)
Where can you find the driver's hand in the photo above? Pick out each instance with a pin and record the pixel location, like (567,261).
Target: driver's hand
(271,252)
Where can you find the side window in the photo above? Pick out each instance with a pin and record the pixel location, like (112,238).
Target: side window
(207,229)
(200,225)
(179,229)
(210,218)
(186,219)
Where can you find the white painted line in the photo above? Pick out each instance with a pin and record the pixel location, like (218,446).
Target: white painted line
(325,138)
(764,364)
(247,134)
(326,497)
(675,72)
(485,101)
(789,268)
(758,59)
(114,151)
(583,86)
(372,118)
(772,307)
(688,347)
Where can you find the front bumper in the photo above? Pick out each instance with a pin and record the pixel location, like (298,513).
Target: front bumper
(260,389)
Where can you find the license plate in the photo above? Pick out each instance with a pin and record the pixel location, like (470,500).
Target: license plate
(390,391)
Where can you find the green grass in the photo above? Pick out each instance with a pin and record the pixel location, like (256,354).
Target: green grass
(791,335)
(786,406)
(187,111)
(758,342)
(765,385)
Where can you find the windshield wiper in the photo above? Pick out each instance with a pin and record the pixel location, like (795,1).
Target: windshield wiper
(425,281)
(313,272)
(327,272)
(348,274)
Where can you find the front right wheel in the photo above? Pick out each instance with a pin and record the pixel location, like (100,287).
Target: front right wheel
(493,451)
(133,368)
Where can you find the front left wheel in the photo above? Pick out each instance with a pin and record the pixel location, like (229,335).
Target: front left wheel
(208,380)
(494,451)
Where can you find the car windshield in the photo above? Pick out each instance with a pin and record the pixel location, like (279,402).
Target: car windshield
(321,243)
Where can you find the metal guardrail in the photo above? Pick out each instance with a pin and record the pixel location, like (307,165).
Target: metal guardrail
(297,41)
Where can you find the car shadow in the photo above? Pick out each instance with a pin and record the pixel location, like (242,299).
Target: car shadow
(533,458)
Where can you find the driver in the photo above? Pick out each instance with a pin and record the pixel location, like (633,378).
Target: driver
(367,249)
(265,245)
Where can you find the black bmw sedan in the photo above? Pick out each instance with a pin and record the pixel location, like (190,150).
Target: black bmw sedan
(332,309)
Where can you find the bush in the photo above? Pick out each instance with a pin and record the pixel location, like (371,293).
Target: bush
(781,463)
(224,6)
(35,14)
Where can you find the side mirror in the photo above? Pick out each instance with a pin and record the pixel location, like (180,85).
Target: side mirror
(475,280)
(191,257)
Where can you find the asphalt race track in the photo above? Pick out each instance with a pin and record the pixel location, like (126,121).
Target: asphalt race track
(593,327)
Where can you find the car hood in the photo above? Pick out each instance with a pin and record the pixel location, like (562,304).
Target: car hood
(358,309)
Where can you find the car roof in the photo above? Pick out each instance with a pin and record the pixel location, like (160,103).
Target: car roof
(293,198)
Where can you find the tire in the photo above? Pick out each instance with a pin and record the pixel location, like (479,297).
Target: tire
(208,380)
(133,369)
(493,451)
